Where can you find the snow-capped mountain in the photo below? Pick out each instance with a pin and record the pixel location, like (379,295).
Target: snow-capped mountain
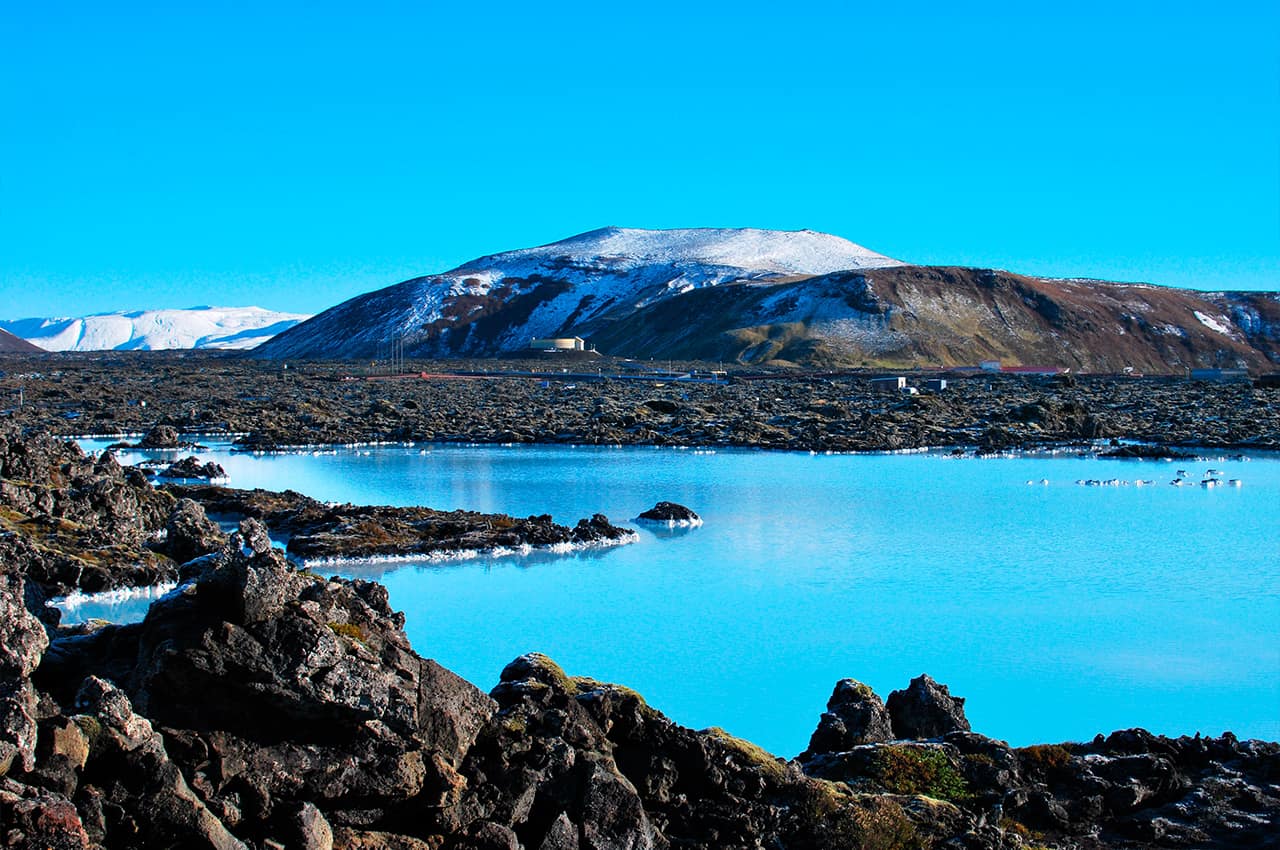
(761,296)
(153,330)
(703,254)
(498,303)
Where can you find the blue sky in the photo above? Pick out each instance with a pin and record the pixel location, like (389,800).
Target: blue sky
(292,155)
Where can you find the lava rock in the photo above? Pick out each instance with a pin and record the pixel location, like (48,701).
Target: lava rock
(22,643)
(160,437)
(926,709)
(320,532)
(279,689)
(598,529)
(671,513)
(855,715)
(129,762)
(34,818)
(192,468)
(252,536)
(190,533)
(76,522)
(1147,452)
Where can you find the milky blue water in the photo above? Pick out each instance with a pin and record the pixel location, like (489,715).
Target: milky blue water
(1059,611)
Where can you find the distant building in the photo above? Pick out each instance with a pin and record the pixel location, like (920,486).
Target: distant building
(989,365)
(1219,374)
(889,385)
(1032,370)
(937,385)
(572,343)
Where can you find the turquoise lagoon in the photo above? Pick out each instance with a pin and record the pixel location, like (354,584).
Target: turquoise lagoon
(1058,610)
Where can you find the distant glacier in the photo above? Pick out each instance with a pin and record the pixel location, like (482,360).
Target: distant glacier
(154,330)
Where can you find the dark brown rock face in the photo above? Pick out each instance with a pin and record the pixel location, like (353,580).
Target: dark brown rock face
(926,710)
(75,522)
(1131,789)
(275,689)
(160,809)
(22,643)
(854,716)
(572,762)
(190,533)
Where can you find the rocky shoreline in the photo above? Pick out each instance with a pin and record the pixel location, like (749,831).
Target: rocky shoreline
(259,705)
(319,533)
(71,522)
(343,403)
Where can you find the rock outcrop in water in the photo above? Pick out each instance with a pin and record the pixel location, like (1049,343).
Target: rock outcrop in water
(159,436)
(325,532)
(671,513)
(192,468)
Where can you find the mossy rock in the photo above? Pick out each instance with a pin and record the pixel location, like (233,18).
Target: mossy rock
(350,631)
(754,755)
(927,771)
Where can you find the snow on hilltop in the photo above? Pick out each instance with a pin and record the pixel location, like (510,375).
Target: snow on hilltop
(500,301)
(153,330)
(757,251)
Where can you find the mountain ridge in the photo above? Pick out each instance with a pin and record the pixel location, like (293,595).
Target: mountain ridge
(788,298)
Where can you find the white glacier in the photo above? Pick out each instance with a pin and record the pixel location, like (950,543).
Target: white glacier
(153,330)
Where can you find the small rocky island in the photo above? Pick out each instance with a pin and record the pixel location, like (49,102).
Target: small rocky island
(672,515)
(259,705)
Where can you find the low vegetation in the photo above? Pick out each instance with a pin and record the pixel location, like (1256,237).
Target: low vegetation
(918,770)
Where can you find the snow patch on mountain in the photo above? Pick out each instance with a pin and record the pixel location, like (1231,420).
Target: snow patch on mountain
(1214,323)
(646,266)
(577,285)
(778,251)
(670,262)
(153,330)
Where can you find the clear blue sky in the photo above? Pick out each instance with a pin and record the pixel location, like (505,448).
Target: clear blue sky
(292,155)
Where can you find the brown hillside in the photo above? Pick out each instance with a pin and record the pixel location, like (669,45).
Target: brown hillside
(951,316)
(10,344)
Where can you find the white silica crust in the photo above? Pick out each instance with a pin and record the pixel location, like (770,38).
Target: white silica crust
(75,600)
(671,523)
(467,554)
